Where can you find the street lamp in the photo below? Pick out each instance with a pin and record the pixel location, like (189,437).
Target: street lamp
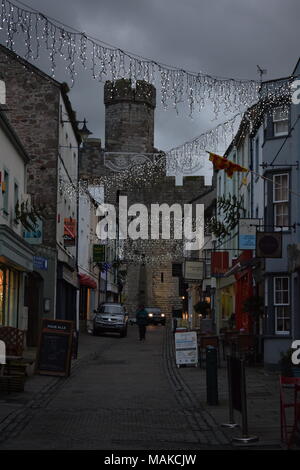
(84,132)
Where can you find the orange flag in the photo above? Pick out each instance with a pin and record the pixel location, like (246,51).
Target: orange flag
(221,163)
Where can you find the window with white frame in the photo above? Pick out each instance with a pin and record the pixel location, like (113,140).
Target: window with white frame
(280,121)
(282,305)
(281,200)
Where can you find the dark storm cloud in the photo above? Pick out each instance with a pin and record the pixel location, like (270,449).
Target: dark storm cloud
(224,38)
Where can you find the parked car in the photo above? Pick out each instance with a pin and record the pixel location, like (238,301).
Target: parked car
(110,317)
(155,316)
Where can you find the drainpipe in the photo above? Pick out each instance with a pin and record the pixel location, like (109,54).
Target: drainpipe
(251,178)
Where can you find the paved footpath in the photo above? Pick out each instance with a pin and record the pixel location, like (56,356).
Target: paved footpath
(122,394)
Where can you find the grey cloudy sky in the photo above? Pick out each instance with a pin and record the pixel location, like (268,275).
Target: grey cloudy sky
(220,37)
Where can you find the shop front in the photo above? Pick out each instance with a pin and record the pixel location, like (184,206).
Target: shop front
(244,290)
(16,258)
(66,296)
(227,299)
(87,300)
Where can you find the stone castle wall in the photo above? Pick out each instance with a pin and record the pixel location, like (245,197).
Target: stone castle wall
(129,117)
(129,127)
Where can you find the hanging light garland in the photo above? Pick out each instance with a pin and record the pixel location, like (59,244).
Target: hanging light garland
(107,62)
(190,156)
(184,159)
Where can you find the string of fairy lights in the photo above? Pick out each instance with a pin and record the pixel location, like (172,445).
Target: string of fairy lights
(37,32)
(22,27)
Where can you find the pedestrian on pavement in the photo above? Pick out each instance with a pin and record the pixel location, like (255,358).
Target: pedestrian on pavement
(142,321)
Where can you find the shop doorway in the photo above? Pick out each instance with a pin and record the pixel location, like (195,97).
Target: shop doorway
(33,289)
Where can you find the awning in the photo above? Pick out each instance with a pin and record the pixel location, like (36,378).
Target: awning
(87,281)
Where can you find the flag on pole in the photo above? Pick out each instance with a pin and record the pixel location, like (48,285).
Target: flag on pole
(221,163)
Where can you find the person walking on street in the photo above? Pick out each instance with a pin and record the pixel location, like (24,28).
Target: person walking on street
(142,321)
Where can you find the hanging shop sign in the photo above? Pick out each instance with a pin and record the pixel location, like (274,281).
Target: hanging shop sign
(219,263)
(69,232)
(193,271)
(247,233)
(186,348)
(55,348)
(269,245)
(34,237)
(98,253)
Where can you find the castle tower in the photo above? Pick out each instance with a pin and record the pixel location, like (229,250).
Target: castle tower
(129,134)
(129,116)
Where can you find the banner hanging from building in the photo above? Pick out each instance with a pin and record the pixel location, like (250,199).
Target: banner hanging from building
(219,263)
(69,232)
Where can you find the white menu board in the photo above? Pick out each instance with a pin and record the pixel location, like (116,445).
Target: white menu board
(186,348)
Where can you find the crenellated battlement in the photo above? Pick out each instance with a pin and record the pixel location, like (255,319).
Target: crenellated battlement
(122,90)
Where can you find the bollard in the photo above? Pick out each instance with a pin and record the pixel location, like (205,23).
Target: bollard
(245,438)
(231,423)
(211,375)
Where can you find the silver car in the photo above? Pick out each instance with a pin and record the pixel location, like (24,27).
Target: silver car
(110,317)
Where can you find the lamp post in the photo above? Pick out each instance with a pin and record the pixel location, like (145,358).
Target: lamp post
(84,132)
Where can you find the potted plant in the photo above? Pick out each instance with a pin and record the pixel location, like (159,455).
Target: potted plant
(202,308)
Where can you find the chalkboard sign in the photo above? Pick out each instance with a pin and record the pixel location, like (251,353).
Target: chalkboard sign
(55,348)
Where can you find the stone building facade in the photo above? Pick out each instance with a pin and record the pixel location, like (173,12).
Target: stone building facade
(40,111)
(129,140)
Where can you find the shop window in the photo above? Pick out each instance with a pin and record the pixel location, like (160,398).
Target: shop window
(282,305)
(9,295)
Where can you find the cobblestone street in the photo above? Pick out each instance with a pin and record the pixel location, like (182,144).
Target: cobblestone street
(118,397)
(127,394)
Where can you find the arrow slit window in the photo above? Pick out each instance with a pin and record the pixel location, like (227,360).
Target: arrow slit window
(281,201)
